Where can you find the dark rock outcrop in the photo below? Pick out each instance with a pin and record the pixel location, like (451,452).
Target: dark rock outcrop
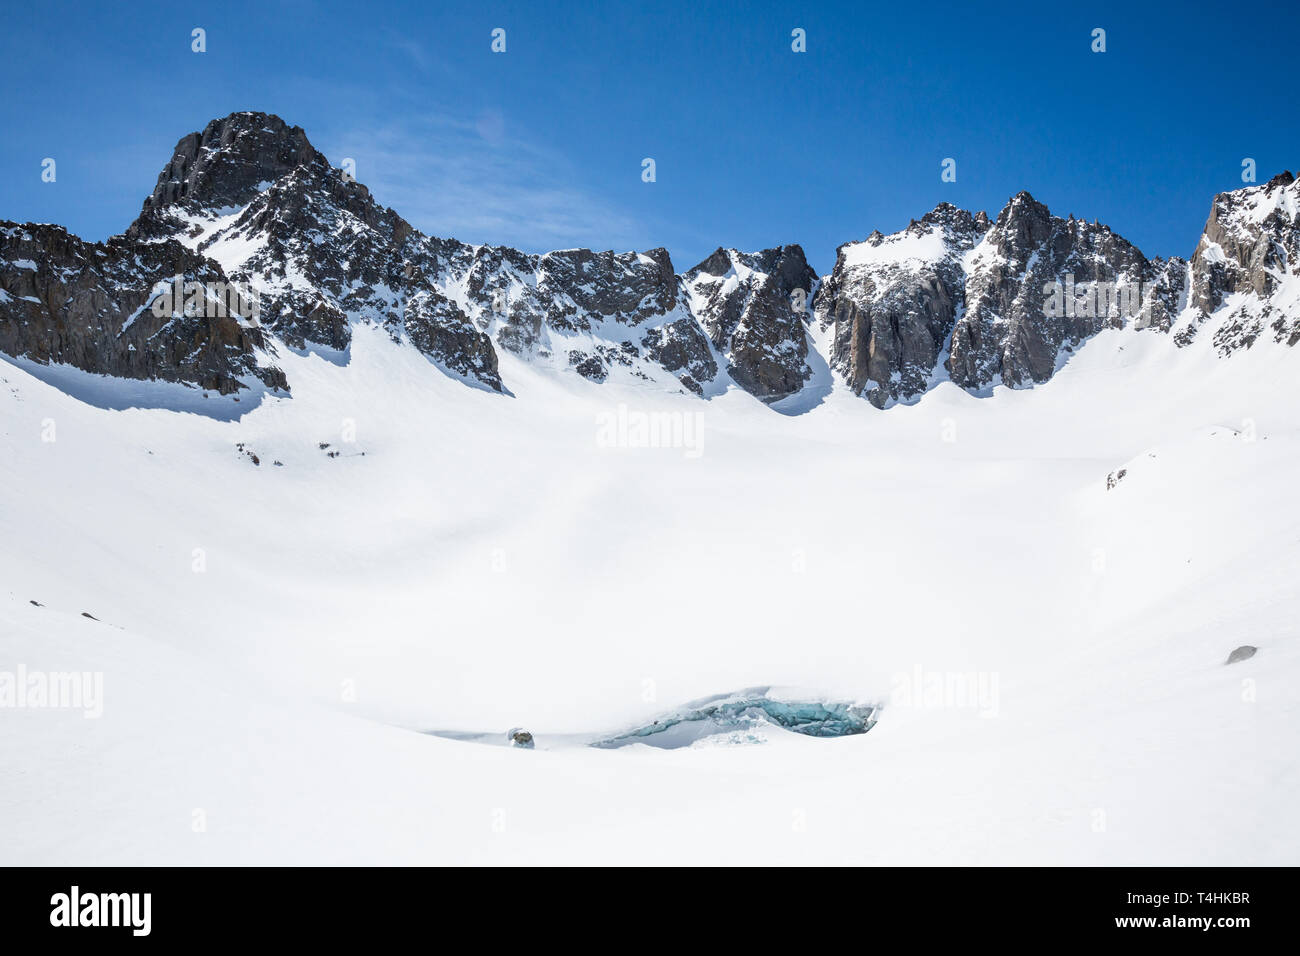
(66,301)
(224,167)
(1243,653)
(979,303)
(682,348)
(753,307)
(1243,265)
(891,303)
(1008,332)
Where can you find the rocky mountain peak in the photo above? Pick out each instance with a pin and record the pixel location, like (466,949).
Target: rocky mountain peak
(766,261)
(249,202)
(231,161)
(1024,202)
(1024,222)
(960,220)
(716,263)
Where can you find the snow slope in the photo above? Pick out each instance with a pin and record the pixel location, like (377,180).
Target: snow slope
(275,642)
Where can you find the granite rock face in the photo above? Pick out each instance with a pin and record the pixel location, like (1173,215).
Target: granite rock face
(598,311)
(891,302)
(682,348)
(227,165)
(1244,283)
(1167,296)
(88,305)
(956,297)
(1007,333)
(753,307)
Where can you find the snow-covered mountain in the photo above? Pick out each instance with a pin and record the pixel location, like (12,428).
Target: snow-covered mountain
(313,622)
(250,202)
(1244,281)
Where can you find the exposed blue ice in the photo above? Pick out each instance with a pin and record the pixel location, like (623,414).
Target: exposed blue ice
(743,715)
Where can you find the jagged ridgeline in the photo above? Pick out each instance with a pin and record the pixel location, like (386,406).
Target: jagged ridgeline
(250,205)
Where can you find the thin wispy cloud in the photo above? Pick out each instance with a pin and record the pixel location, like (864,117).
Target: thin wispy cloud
(473,179)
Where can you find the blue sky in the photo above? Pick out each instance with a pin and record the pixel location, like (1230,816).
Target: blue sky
(755,145)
